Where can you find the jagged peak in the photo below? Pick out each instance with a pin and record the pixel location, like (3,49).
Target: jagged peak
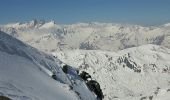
(49,24)
(31,24)
(37,22)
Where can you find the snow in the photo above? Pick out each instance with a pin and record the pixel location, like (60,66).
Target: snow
(20,79)
(166,25)
(130,62)
(91,36)
(48,25)
(125,83)
(25,74)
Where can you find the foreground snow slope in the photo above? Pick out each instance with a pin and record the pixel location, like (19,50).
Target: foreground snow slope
(131,74)
(50,36)
(25,74)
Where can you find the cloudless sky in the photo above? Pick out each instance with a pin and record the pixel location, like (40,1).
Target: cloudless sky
(143,12)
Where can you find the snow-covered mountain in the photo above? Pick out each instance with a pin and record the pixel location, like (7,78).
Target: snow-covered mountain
(25,74)
(49,36)
(130,62)
(138,73)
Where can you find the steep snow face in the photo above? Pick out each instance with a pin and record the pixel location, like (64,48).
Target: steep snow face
(20,79)
(92,36)
(25,74)
(137,73)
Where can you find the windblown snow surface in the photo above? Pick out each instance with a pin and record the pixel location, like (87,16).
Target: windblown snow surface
(25,74)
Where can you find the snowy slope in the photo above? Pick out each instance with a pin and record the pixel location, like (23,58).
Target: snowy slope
(25,74)
(137,73)
(50,36)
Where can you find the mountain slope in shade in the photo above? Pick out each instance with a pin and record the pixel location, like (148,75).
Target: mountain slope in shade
(137,73)
(25,74)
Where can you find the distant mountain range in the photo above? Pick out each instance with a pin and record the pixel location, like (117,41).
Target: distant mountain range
(49,36)
(130,62)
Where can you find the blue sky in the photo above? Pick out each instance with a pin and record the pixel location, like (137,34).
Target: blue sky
(143,12)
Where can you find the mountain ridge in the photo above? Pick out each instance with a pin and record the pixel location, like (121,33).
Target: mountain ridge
(88,36)
(26,74)
(129,74)
(130,62)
